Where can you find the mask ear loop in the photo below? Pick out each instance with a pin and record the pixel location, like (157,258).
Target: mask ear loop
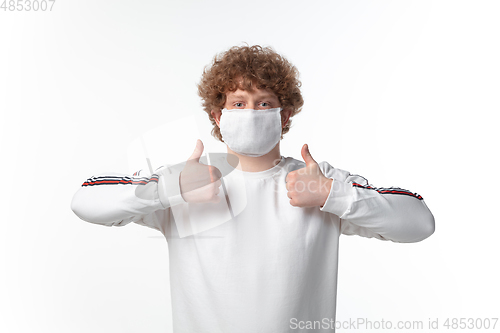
(220,116)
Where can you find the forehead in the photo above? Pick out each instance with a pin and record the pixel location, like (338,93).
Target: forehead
(247,94)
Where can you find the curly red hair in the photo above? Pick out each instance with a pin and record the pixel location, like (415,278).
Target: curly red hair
(246,67)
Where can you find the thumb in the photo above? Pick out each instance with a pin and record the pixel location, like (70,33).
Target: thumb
(306,155)
(198,150)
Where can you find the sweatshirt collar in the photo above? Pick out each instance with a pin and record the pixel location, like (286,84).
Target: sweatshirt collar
(259,174)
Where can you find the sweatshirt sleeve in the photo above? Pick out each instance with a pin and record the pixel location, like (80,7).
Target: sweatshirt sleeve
(391,213)
(116,199)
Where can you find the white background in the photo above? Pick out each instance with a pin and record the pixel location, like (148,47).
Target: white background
(402,92)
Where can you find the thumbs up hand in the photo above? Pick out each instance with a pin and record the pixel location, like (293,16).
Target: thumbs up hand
(308,187)
(199,182)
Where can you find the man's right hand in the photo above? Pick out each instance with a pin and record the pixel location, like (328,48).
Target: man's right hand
(199,182)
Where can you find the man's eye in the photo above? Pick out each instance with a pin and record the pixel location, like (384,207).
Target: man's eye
(265,103)
(239,104)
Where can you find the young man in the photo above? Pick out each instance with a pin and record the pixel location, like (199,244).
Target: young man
(274,264)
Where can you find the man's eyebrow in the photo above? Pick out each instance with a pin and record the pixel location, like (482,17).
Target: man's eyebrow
(258,96)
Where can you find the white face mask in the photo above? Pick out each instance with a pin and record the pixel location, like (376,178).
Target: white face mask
(251,132)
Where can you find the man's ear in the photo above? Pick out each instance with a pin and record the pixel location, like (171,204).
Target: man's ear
(285,115)
(216,114)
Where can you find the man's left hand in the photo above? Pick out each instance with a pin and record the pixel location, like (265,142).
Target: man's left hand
(308,187)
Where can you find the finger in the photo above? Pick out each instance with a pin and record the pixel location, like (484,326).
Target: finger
(198,150)
(210,172)
(215,173)
(306,155)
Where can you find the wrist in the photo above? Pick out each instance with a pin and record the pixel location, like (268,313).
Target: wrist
(326,191)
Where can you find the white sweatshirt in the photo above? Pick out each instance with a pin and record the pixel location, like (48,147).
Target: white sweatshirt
(272,266)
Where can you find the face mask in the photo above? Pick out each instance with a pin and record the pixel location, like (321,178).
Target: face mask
(251,132)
